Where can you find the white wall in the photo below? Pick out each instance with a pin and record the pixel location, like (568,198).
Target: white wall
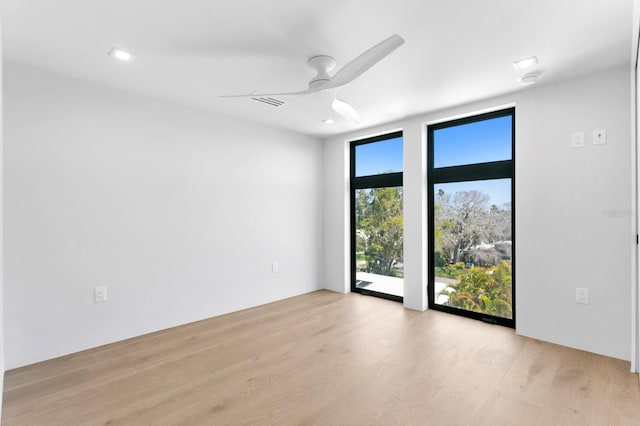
(2,365)
(179,212)
(635,119)
(336,261)
(574,214)
(573,210)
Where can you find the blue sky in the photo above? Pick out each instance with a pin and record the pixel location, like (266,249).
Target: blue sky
(488,140)
(498,190)
(379,157)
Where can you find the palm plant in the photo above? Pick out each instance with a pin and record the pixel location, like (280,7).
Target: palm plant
(484,290)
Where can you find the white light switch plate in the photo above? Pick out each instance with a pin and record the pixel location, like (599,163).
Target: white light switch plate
(100,294)
(599,136)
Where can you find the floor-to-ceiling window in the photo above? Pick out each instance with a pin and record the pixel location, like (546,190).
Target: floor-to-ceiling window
(471,211)
(376,216)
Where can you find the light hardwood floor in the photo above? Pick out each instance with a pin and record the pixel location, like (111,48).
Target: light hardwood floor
(329,359)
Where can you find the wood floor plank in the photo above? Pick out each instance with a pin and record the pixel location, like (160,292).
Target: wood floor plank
(326,358)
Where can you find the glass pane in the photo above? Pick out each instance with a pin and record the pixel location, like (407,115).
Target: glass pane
(379,157)
(473,143)
(473,249)
(379,238)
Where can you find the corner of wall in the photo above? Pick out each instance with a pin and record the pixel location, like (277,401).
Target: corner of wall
(1,241)
(635,296)
(336,220)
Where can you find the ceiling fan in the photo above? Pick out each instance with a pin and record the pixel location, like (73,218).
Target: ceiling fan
(323,82)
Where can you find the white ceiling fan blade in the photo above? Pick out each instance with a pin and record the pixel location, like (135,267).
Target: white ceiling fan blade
(346,110)
(308,91)
(366,60)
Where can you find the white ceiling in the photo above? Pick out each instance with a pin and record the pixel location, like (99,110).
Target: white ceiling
(192,51)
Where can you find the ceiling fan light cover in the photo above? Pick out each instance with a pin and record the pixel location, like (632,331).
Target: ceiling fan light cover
(346,110)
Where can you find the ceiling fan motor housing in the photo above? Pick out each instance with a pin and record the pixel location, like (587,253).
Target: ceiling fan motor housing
(322,64)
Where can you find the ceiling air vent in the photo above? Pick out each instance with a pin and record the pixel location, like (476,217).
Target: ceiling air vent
(269,101)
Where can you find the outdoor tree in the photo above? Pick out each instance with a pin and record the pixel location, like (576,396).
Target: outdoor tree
(464,220)
(379,229)
(461,220)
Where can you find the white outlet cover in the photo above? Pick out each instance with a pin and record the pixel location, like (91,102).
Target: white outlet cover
(582,295)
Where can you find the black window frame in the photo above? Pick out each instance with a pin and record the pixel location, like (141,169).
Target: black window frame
(365,182)
(465,173)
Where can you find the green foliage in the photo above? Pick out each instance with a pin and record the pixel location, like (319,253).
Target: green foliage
(469,231)
(483,290)
(441,259)
(379,229)
(449,271)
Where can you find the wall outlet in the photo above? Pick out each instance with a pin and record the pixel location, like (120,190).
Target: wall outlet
(582,295)
(577,139)
(100,294)
(274,267)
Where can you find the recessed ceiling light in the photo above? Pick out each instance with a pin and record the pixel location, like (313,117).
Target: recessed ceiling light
(525,63)
(328,121)
(121,54)
(528,79)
